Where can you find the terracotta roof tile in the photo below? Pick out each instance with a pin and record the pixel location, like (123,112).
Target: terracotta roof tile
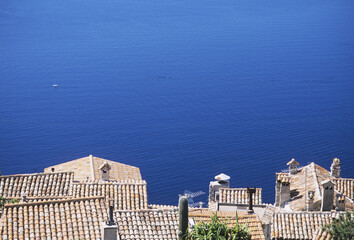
(126,194)
(62,219)
(283,177)
(300,225)
(39,184)
(147,224)
(88,168)
(322,235)
(239,196)
(345,186)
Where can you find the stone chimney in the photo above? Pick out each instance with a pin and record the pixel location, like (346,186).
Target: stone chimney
(335,168)
(310,200)
(340,202)
(105,168)
(293,166)
(250,192)
(109,229)
(327,195)
(223,181)
(282,189)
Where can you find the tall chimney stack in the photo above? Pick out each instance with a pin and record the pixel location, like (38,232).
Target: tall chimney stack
(250,192)
(293,166)
(109,229)
(223,181)
(335,168)
(327,195)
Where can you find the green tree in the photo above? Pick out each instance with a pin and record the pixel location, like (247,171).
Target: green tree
(14,200)
(217,229)
(2,201)
(342,228)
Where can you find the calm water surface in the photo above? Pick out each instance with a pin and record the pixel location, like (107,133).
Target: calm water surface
(182,89)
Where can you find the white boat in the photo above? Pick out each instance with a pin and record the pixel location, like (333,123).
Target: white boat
(55,85)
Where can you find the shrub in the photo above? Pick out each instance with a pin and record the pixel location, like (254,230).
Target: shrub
(342,228)
(217,229)
(15,200)
(2,201)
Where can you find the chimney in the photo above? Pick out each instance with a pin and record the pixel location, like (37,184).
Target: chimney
(310,200)
(24,197)
(282,190)
(223,181)
(327,195)
(109,229)
(293,166)
(335,168)
(340,202)
(104,168)
(250,192)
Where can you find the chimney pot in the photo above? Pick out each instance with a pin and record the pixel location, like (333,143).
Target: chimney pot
(335,168)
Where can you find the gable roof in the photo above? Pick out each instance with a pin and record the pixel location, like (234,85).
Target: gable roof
(127,194)
(38,184)
(147,224)
(306,179)
(310,178)
(300,225)
(87,168)
(61,219)
(252,220)
(239,196)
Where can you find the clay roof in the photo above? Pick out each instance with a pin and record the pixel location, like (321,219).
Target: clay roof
(162,207)
(307,179)
(322,235)
(61,219)
(253,221)
(147,224)
(239,196)
(345,186)
(39,184)
(310,178)
(283,177)
(88,168)
(129,194)
(300,225)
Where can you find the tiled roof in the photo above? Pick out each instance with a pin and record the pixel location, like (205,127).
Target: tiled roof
(88,168)
(283,177)
(147,224)
(39,199)
(62,219)
(254,223)
(345,186)
(162,207)
(239,196)
(300,225)
(308,178)
(322,235)
(126,194)
(39,184)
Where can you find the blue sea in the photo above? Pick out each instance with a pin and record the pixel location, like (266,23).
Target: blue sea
(184,90)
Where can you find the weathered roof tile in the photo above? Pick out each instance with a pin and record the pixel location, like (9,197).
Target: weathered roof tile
(239,196)
(38,184)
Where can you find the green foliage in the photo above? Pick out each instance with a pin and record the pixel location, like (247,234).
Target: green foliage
(2,201)
(15,200)
(342,228)
(217,229)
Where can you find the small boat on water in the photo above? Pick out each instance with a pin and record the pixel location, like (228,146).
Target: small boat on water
(55,85)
